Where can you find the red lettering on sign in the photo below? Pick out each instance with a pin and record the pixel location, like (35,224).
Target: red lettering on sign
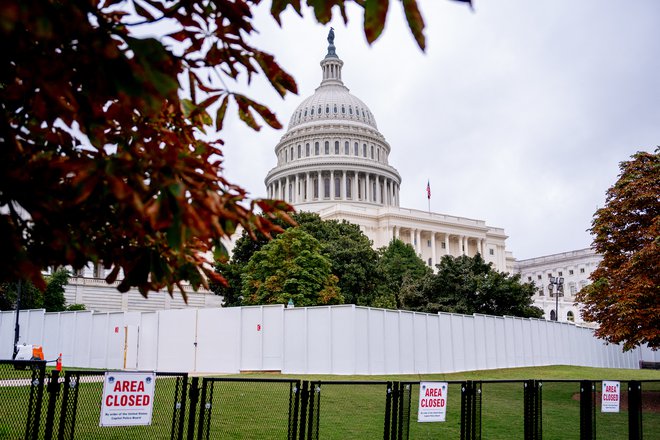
(432,403)
(433,392)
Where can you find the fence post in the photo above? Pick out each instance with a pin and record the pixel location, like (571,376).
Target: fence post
(314,402)
(294,408)
(194,398)
(53,389)
(36,399)
(69,406)
(404,411)
(532,404)
(179,410)
(634,410)
(587,411)
(388,412)
(470,410)
(304,398)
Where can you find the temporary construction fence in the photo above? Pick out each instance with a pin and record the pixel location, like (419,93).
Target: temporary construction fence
(310,340)
(67,405)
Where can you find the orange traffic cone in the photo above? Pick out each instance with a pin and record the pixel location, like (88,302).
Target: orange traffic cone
(58,365)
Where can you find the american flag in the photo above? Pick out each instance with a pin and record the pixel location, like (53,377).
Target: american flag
(428,189)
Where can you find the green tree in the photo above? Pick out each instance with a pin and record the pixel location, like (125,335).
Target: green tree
(107,157)
(470,285)
(350,252)
(290,267)
(52,298)
(398,264)
(624,298)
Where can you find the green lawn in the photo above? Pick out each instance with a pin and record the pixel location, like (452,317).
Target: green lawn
(256,410)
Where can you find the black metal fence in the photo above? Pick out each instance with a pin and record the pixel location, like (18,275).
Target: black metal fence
(40,404)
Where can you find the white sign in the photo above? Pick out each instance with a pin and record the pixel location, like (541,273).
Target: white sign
(128,398)
(610,396)
(432,402)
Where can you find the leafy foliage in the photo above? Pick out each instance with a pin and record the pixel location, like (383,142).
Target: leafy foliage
(52,298)
(290,267)
(103,160)
(470,285)
(353,260)
(624,298)
(398,265)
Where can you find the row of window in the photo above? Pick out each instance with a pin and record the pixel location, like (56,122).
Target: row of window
(366,115)
(292,153)
(444,246)
(559,274)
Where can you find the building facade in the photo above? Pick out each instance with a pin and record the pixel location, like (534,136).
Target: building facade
(88,286)
(574,266)
(334,161)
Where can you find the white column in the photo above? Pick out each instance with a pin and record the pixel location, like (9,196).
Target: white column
(397,233)
(296,190)
(433,256)
(418,233)
(319,184)
(378,191)
(308,185)
(412,238)
(332,184)
(343,185)
(446,244)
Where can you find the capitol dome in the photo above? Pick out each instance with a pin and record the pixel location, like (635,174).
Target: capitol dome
(332,151)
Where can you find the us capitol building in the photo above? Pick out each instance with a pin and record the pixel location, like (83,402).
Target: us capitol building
(332,160)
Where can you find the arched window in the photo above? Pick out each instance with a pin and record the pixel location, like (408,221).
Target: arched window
(327,109)
(286,155)
(290,192)
(316,149)
(430,263)
(364,150)
(307,150)
(337,187)
(291,155)
(570,316)
(350,110)
(312,111)
(373,191)
(335,109)
(299,151)
(327,147)
(356,148)
(315,184)
(372,151)
(378,155)
(336,147)
(553,315)
(319,110)
(343,110)
(326,188)
(347,148)
(349,184)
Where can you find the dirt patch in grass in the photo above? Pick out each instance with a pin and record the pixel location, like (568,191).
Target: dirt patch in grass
(650,401)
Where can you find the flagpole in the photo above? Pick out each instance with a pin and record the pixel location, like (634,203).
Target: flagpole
(428,193)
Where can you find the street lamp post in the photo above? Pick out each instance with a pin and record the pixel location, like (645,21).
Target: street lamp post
(559,282)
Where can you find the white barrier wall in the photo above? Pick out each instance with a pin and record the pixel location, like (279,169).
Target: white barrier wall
(315,340)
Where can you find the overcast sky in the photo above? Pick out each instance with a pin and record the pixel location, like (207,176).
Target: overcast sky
(518,112)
